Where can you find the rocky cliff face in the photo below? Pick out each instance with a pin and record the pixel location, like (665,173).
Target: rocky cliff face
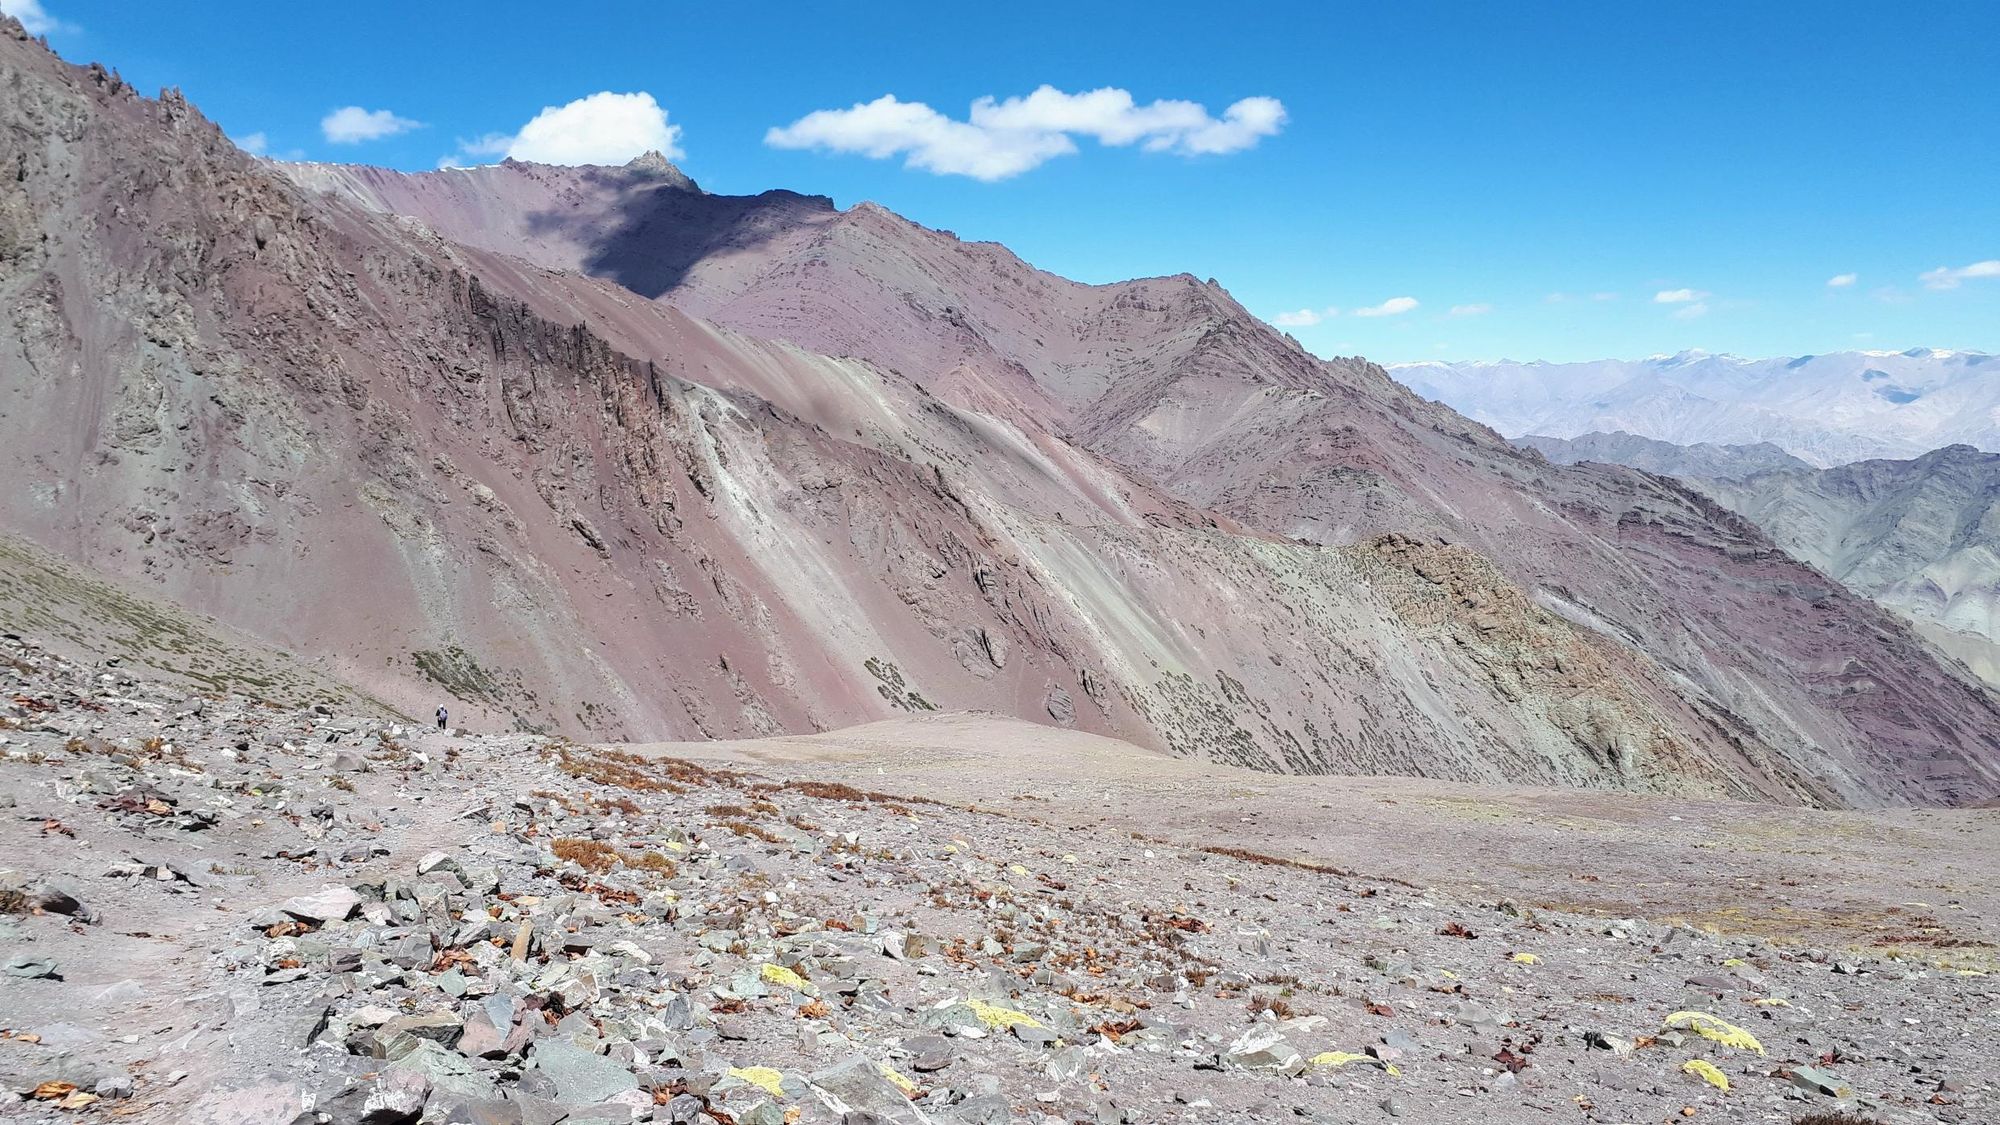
(1920,536)
(437,459)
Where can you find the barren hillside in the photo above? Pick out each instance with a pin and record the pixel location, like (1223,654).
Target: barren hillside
(445,470)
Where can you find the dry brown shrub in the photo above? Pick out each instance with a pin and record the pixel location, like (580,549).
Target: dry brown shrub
(594,856)
(651,861)
(741,829)
(1276,1005)
(826,790)
(1274,861)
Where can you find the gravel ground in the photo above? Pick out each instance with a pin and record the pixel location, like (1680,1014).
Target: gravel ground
(221,911)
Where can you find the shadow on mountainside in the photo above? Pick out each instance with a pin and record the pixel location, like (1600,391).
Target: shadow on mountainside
(655,234)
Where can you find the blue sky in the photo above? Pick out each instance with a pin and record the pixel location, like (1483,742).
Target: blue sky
(1557,173)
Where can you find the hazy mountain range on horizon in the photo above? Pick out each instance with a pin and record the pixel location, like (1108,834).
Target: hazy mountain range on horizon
(1824,409)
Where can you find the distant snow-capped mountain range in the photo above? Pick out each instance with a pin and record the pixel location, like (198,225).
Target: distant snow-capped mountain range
(1825,409)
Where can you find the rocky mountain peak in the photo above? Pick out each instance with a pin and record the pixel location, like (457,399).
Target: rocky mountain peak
(654,164)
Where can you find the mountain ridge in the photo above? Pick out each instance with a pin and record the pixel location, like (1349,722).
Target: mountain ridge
(1921,536)
(1131,508)
(1688,462)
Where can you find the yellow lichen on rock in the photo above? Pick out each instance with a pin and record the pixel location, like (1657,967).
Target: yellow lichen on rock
(903,1081)
(1342,1058)
(997,1018)
(1526,959)
(1707,1072)
(778,974)
(1715,1029)
(765,1078)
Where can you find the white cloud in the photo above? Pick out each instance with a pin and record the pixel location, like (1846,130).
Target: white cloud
(351,125)
(604,128)
(1000,139)
(34,17)
(1689,312)
(1842,280)
(1945,277)
(931,141)
(1303,318)
(1391,307)
(1678,296)
(1480,309)
(489,145)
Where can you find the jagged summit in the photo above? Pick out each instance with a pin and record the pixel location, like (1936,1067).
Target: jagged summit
(653,162)
(651,166)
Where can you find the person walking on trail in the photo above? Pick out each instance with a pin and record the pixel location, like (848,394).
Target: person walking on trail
(443,718)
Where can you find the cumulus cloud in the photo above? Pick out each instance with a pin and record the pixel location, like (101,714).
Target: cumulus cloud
(1689,312)
(1480,309)
(1842,280)
(1678,296)
(999,139)
(351,125)
(1303,318)
(33,16)
(1944,277)
(604,128)
(1394,306)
